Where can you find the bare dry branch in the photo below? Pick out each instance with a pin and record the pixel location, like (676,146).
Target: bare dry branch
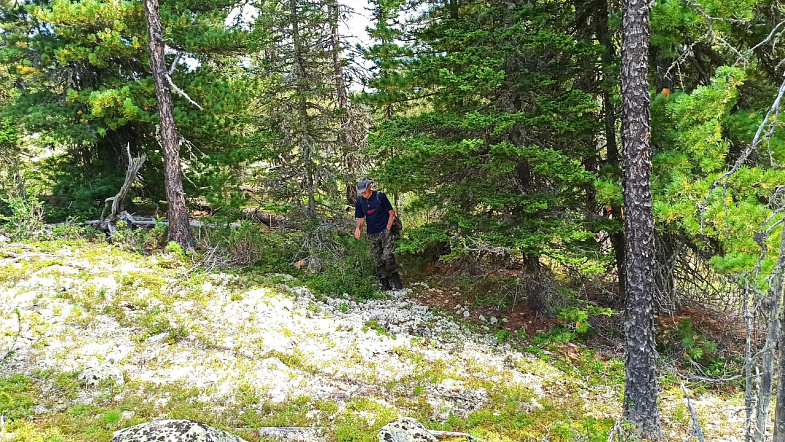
(698,7)
(174,63)
(444,434)
(180,91)
(130,176)
(696,430)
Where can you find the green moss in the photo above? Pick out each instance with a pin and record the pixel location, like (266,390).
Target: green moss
(17,396)
(373,324)
(362,420)
(296,360)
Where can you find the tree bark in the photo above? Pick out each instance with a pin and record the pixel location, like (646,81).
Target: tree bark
(179,226)
(773,304)
(537,296)
(640,387)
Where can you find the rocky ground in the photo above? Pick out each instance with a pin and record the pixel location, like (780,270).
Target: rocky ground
(94,339)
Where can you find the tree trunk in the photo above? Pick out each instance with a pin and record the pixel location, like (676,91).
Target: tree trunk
(342,102)
(179,225)
(779,411)
(537,295)
(306,144)
(640,387)
(773,304)
(611,144)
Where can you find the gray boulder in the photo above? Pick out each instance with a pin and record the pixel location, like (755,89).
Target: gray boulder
(173,431)
(405,430)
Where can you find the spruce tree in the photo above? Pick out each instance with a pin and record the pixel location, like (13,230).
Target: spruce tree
(305,133)
(495,134)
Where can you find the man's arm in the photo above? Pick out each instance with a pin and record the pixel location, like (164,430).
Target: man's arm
(386,205)
(390,219)
(357,231)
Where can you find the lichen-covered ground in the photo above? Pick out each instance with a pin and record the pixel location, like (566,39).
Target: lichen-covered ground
(94,339)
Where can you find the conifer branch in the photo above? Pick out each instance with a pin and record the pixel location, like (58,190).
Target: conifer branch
(699,8)
(768,125)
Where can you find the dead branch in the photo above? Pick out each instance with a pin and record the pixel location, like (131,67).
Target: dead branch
(286,431)
(768,38)
(698,7)
(134,165)
(617,433)
(174,63)
(269,219)
(180,91)
(446,434)
(142,222)
(696,430)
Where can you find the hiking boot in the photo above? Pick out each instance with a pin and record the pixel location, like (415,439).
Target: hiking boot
(396,281)
(385,284)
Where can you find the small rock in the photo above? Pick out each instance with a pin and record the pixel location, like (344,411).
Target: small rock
(482,318)
(173,431)
(405,430)
(494,320)
(4,238)
(465,314)
(127,415)
(40,409)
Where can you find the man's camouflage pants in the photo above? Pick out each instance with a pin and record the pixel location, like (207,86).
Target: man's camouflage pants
(383,252)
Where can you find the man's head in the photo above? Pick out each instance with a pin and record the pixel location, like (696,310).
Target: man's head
(365,187)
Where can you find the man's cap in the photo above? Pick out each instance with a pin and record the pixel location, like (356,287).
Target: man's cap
(363,184)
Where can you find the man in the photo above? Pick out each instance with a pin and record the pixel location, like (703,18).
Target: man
(373,208)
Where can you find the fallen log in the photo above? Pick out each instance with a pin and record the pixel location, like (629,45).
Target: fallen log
(141,222)
(269,219)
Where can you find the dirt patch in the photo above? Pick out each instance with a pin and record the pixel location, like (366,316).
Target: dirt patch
(512,318)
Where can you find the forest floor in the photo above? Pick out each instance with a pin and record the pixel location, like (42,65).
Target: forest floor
(94,339)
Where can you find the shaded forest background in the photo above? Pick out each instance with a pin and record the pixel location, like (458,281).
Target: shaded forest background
(493,126)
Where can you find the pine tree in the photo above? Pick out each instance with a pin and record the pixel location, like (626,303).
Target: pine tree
(85,82)
(179,223)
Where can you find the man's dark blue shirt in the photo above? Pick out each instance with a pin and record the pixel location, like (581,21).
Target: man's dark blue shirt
(375,210)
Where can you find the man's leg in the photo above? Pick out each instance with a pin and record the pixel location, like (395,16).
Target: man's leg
(376,244)
(388,257)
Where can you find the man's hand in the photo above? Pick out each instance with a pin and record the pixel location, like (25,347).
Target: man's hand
(357,233)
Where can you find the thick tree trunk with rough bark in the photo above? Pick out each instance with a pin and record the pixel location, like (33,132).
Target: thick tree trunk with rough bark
(640,388)
(179,225)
